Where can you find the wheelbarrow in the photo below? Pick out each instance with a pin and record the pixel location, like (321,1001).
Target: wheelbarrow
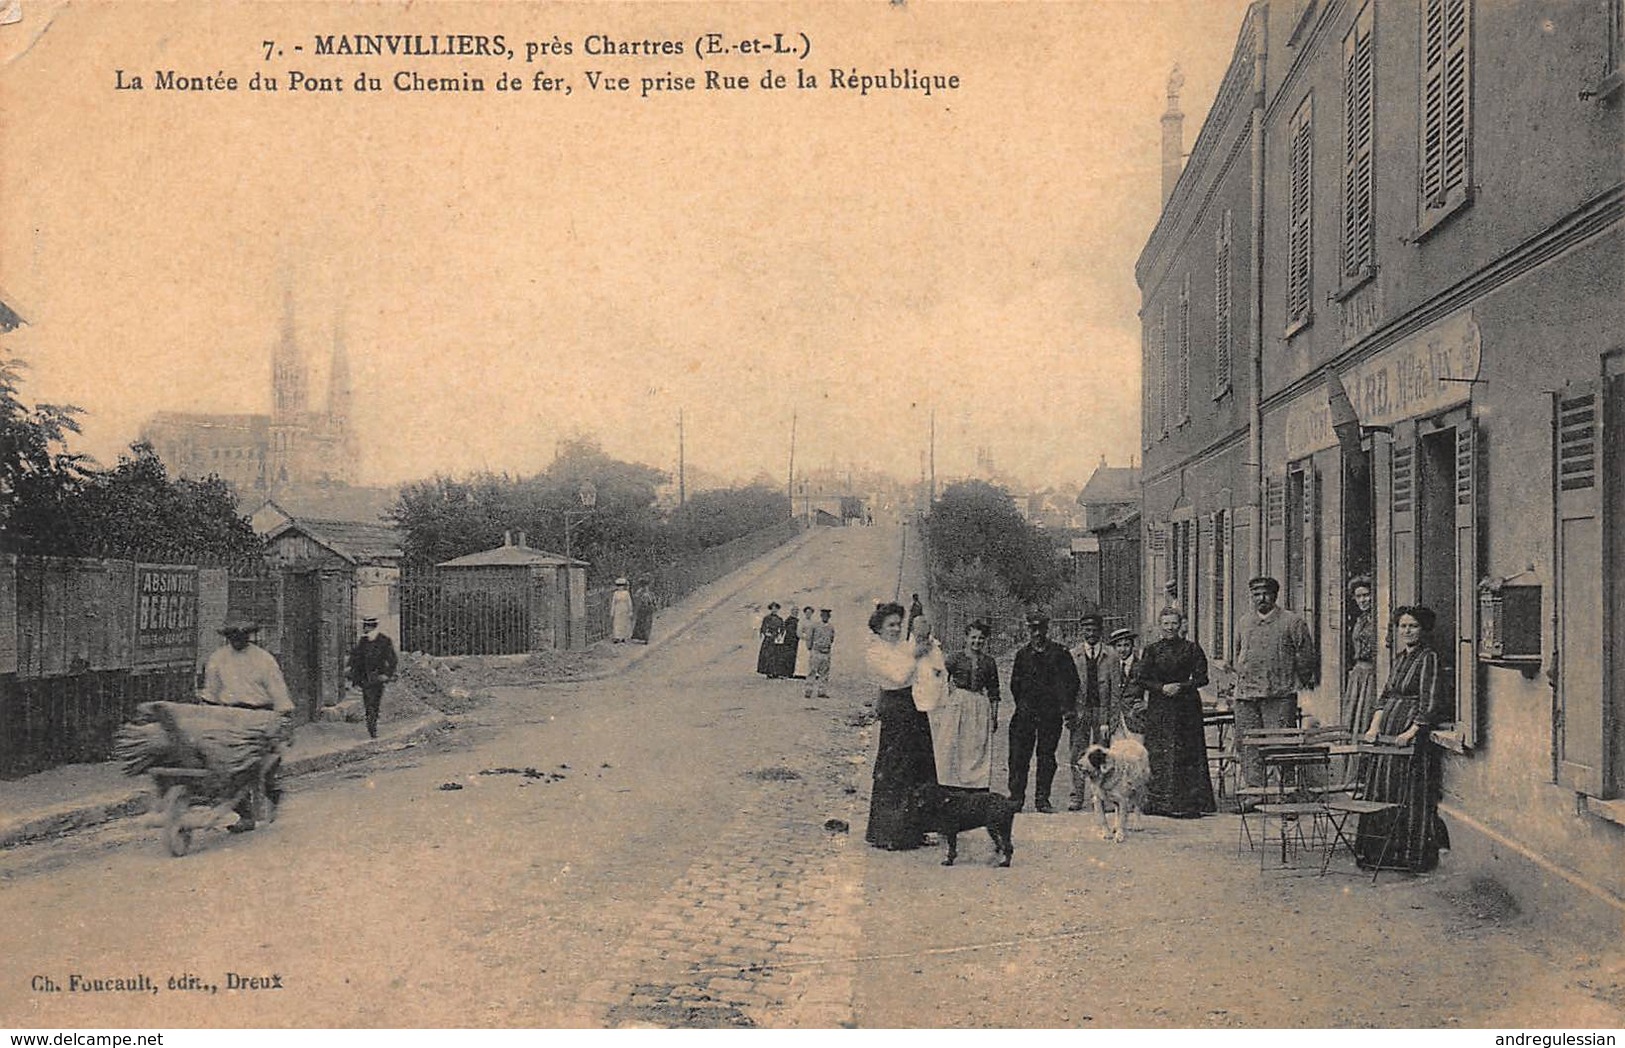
(193,799)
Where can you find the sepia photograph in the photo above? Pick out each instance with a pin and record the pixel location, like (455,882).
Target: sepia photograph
(842,515)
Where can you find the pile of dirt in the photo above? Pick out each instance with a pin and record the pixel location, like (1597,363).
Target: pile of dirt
(541,667)
(424,683)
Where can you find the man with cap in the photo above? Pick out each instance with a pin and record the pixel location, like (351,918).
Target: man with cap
(1101,692)
(820,642)
(372,663)
(1275,656)
(1044,685)
(241,673)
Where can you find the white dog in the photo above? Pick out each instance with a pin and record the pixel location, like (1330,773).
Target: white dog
(1120,773)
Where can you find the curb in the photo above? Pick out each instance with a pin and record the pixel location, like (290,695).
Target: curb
(110,807)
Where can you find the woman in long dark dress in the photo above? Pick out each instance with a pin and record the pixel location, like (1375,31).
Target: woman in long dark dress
(1170,671)
(1360,687)
(784,655)
(1411,705)
(905,765)
(772,628)
(643,607)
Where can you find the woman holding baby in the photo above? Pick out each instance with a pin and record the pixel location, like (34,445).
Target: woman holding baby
(905,766)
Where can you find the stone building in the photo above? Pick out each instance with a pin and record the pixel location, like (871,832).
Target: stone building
(297,445)
(1381,317)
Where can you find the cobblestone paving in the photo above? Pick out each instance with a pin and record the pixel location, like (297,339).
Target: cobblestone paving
(758,932)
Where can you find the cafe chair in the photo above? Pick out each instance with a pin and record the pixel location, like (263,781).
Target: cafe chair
(1375,763)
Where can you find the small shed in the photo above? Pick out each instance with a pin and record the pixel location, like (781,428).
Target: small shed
(550,587)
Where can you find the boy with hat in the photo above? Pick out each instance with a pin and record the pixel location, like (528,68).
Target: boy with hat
(1275,656)
(372,663)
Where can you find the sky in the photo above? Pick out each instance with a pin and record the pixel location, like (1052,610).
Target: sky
(513,268)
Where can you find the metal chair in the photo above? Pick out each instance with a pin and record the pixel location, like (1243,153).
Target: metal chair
(1371,760)
(1290,762)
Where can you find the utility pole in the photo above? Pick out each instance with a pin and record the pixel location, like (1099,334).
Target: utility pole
(790,482)
(933,499)
(682,476)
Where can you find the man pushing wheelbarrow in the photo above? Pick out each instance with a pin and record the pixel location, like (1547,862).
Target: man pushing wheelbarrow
(243,674)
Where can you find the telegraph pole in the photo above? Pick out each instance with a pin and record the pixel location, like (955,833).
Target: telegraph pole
(790,482)
(932,501)
(682,476)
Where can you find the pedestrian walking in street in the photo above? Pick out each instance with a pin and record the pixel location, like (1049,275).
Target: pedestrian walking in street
(804,644)
(1412,704)
(643,610)
(620,613)
(772,633)
(1170,671)
(820,645)
(1044,684)
(241,673)
(1275,656)
(962,726)
(1360,687)
(915,610)
(1102,695)
(372,665)
(905,769)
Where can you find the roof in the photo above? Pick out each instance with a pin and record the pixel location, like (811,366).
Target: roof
(341,502)
(512,556)
(1111,484)
(356,543)
(1125,520)
(9,318)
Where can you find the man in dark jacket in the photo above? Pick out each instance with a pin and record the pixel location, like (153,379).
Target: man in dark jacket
(1044,684)
(372,662)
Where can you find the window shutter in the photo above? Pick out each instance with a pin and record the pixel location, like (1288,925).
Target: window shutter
(1164,376)
(1467,576)
(1221,307)
(1183,408)
(1446,124)
(1581,744)
(1402,514)
(1359,105)
(1299,213)
(1275,536)
(1311,549)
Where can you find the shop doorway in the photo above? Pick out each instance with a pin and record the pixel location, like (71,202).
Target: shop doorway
(1436,544)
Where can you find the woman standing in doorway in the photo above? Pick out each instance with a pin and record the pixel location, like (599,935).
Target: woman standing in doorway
(1360,687)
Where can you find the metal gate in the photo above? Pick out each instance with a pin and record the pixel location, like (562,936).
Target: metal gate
(466,613)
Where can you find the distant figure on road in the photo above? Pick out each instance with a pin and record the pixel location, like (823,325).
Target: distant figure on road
(962,727)
(372,664)
(784,655)
(915,610)
(241,673)
(643,606)
(620,613)
(1044,683)
(820,642)
(905,768)
(804,644)
(772,633)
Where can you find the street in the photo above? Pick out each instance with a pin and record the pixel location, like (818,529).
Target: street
(666,848)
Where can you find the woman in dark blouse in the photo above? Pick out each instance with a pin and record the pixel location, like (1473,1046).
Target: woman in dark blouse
(1411,705)
(1170,670)
(1360,688)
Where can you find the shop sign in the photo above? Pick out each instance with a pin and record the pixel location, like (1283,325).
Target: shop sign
(165,613)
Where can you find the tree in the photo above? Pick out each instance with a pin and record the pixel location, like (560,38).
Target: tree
(975,520)
(136,508)
(711,518)
(38,473)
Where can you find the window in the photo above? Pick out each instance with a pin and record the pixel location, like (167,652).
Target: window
(1446,117)
(1359,111)
(1221,307)
(1182,403)
(1299,210)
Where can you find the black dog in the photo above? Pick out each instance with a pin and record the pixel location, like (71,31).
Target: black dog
(950,812)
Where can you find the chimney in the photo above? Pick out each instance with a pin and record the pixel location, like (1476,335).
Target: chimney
(507,538)
(1173,136)
(520,541)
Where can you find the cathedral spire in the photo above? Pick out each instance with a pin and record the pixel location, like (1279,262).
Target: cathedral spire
(338,390)
(287,369)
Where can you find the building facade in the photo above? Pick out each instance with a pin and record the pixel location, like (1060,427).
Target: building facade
(296,445)
(1384,335)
